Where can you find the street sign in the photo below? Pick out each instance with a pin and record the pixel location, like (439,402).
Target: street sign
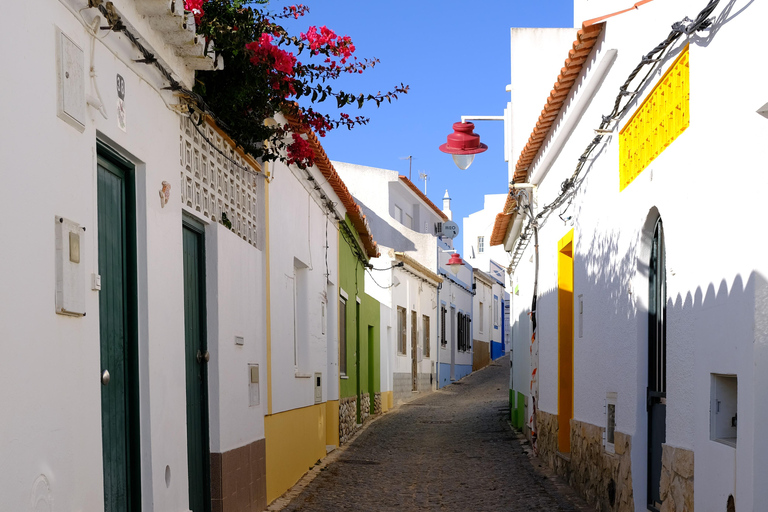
(450,229)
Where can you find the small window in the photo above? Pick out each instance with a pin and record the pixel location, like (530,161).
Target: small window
(443,334)
(480,244)
(401,330)
(425,331)
(342,336)
(610,422)
(408,221)
(723,408)
(399,214)
(495,312)
(480,310)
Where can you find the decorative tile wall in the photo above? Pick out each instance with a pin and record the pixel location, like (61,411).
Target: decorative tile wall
(213,183)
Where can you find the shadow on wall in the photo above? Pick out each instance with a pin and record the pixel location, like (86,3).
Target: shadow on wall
(384,233)
(718,329)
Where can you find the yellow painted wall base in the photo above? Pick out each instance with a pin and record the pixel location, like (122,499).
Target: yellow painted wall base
(332,422)
(295,440)
(387,400)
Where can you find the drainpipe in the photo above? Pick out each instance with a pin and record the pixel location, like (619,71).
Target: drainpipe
(439,316)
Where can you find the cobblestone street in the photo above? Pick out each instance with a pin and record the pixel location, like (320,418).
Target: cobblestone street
(452,450)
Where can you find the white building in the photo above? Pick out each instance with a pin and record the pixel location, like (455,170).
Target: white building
(648,354)
(133,318)
(476,232)
(489,331)
(455,306)
(307,209)
(414,290)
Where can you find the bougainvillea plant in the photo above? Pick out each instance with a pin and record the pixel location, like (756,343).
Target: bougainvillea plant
(263,75)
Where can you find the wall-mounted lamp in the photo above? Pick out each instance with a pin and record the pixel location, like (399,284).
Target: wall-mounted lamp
(463,144)
(455,263)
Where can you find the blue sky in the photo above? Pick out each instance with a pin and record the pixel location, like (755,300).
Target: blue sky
(454,55)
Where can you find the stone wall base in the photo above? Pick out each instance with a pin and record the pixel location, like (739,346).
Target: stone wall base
(604,479)
(377,403)
(676,479)
(365,407)
(347,418)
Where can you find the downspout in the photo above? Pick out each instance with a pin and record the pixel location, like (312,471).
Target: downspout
(439,317)
(534,343)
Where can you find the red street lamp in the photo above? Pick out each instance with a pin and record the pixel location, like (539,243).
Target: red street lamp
(463,144)
(455,262)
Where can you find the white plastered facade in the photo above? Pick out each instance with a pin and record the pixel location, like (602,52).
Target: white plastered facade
(714,271)
(52,425)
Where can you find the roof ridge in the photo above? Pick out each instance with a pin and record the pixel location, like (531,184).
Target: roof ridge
(413,187)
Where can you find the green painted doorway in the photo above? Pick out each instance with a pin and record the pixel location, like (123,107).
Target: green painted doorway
(196,362)
(117,333)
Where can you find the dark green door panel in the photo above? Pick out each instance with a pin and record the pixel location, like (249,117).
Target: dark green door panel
(117,339)
(198,450)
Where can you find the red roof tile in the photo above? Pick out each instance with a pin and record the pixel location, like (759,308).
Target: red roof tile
(354,211)
(577,57)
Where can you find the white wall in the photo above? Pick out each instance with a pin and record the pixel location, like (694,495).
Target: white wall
(51,372)
(712,261)
(533,75)
(414,294)
(236,308)
(481,224)
(298,239)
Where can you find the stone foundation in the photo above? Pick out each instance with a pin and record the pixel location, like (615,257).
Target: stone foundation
(402,384)
(676,479)
(238,478)
(347,418)
(604,479)
(365,407)
(377,403)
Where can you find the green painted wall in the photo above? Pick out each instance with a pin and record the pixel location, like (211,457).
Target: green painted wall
(517,414)
(363,354)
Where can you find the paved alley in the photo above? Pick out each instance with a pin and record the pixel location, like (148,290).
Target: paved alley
(452,450)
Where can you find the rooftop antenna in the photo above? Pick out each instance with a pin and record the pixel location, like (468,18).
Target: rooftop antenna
(424,176)
(410,163)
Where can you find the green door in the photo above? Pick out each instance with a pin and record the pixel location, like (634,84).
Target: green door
(196,359)
(117,330)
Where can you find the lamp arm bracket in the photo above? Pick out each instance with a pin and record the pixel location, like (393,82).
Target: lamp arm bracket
(464,119)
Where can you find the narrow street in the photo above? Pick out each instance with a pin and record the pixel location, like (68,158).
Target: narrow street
(451,450)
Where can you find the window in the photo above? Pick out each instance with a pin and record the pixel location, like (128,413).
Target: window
(399,214)
(342,336)
(425,332)
(610,422)
(401,333)
(443,337)
(408,221)
(464,325)
(480,244)
(480,310)
(495,311)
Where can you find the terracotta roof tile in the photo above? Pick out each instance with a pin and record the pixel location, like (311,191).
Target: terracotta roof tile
(354,211)
(424,198)
(577,56)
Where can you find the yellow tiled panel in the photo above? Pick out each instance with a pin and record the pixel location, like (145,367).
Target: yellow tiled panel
(662,117)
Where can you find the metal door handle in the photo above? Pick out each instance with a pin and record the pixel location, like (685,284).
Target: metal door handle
(105,377)
(203,357)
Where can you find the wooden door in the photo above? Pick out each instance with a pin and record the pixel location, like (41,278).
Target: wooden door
(196,360)
(657,365)
(117,333)
(414,352)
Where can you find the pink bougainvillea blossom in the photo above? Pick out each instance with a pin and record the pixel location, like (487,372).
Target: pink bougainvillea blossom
(300,152)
